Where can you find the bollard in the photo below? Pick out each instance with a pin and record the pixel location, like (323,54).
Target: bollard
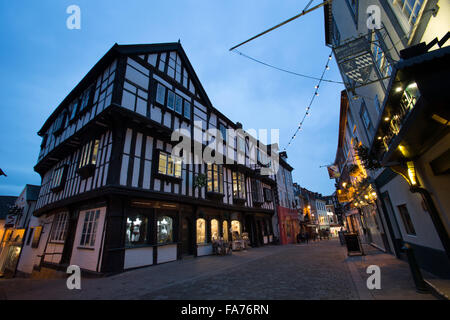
(421,286)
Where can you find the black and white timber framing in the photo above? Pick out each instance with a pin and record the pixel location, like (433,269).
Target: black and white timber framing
(99,167)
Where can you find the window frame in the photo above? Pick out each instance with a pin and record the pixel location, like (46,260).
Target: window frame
(177,163)
(88,235)
(170,239)
(214,173)
(158,95)
(60,174)
(406,219)
(88,158)
(60,225)
(238,179)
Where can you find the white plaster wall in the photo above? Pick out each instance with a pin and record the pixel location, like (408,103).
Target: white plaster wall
(88,259)
(426,234)
(204,250)
(138,257)
(438,186)
(167,253)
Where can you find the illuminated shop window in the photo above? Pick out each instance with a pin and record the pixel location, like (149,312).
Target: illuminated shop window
(136,232)
(201,230)
(165,229)
(214,229)
(225,230)
(235,229)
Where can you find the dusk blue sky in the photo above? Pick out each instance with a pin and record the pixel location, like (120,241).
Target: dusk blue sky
(41,61)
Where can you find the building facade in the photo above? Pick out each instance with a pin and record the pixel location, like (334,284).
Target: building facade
(115,190)
(384,83)
(17,234)
(288,217)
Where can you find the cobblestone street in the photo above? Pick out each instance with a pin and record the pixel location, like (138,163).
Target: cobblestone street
(320,270)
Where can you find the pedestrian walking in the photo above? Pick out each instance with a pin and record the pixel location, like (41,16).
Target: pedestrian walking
(307,237)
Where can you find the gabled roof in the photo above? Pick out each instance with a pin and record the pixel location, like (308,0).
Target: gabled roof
(5,203)
(127,50)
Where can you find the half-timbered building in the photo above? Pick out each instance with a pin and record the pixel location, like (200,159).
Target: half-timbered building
(115,195)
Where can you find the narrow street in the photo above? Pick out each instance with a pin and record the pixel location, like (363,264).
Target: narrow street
(319,270)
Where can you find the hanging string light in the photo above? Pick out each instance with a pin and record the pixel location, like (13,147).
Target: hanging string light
(308,108)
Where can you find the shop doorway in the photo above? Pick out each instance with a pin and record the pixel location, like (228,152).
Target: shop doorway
(186,237)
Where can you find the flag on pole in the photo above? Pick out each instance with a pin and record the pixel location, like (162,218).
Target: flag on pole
(2,173)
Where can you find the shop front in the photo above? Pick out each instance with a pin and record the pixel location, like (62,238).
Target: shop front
(289,225)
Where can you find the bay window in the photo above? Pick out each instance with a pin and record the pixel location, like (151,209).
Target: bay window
(88,158)
(160,94)
(169,165)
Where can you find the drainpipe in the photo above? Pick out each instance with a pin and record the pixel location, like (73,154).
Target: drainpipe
(434,214)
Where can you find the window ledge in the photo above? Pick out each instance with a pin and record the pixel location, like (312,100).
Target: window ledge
(168,178)
(238,200)
(86,171)
(214,195)
(86,248)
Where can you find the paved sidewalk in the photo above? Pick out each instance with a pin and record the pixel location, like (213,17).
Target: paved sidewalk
(396,280)
(320,270)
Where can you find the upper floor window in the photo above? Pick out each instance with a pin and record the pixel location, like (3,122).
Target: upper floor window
(257,193)
(215,178)
(241,144)
(370,130)
(59,179)
(410,9)
(223,131)
(165,229)
(238,185)
(170,100)
(377,104)
(44,141)
(88,156)
(85,99)
(381,58)
(161,94)
(90,225)
(187,109)
(60,122)
(268,195)
(169,165)
(60,224)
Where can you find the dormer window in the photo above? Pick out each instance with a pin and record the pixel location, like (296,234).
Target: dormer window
(88,159)
(59,179)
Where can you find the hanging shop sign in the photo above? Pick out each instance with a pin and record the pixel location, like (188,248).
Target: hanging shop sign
(333,171)
(10,220)
(355,60)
